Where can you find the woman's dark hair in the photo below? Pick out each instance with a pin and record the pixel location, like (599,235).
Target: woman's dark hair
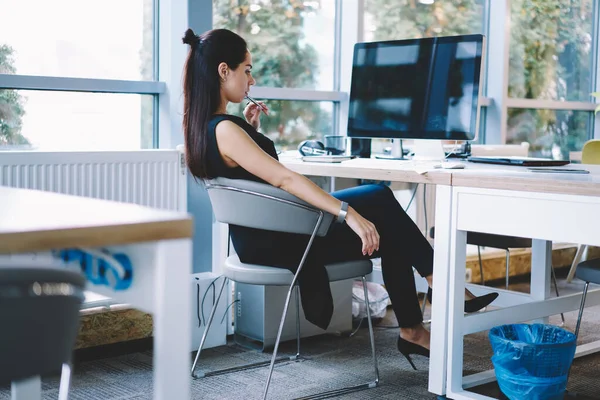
(201,88)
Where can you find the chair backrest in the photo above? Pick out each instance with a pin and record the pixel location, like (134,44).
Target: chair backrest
(39,320)
(590,154)
(263,206)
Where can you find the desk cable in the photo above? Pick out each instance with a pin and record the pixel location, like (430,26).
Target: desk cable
(412,198)
(425,209)
(453,151)
(200,304)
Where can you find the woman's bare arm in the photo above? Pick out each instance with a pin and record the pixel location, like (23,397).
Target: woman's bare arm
(237,148)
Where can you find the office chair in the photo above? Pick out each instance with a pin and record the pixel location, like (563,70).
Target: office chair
(589,272)
(262,206)
(39,314)
(590,154)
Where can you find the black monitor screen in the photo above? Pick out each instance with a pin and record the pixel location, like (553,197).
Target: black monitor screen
(416,89)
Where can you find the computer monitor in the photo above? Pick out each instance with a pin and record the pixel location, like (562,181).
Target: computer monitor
(416,89)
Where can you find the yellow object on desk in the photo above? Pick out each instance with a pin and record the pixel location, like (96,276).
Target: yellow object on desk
(591,152)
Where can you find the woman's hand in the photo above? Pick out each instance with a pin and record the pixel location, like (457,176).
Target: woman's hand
(252,113)
(365,229)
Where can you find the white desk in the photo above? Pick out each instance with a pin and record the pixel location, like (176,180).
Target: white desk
(158,244)
(360,168)
(495,199)
(509,201)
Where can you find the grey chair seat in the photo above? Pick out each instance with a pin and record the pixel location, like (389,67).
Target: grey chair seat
(589,271)
(495,241)
(254,274)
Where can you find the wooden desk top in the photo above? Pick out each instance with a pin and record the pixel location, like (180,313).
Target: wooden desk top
(519,178)
(32,220)
(381,170)
(474,175)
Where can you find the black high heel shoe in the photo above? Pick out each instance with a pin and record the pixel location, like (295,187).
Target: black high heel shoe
(474,304)
(407,348)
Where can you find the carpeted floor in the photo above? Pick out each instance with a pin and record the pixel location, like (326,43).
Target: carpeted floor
(334,362)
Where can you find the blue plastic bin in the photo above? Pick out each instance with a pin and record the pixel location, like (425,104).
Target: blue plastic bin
(532,361)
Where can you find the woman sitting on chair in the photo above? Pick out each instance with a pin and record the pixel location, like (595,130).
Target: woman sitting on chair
(218,70)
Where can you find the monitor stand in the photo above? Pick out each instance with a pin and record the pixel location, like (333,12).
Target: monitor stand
(397,152)
(428,150)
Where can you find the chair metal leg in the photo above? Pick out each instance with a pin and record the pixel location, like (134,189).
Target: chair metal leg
(585,290)
(205,334)
(297,322)
(287,303)
(285,309)
(372,337)
(507,267)
(363,386)
(65,382)
(578,256)
(202,374)
(562,316)
(480,265)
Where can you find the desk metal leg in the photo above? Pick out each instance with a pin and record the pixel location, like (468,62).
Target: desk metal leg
(541,259)
(172,322)
(27,389)
(456,299)
(439,311)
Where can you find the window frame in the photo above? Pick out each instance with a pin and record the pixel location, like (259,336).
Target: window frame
(495,95)
(498,66)
(169,57)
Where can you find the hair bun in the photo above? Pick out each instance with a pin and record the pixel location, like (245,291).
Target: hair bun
(190,37)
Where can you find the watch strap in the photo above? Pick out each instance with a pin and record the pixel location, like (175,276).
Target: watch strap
(343,212)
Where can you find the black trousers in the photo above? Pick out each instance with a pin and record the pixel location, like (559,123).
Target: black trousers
(402,246)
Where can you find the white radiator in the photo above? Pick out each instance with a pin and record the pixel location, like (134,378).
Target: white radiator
(154,178)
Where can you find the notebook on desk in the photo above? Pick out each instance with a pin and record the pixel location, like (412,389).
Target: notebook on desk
(519,161)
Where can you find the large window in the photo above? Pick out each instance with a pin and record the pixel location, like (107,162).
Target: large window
(110,39)
(291,41)
(77,75)
(408,19)
(551,48)
(64,121)
(550,133)
(293,53)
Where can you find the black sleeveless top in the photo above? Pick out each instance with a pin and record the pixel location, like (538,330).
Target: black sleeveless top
(263,247)
(216,166)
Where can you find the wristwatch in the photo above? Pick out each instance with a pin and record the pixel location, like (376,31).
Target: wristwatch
(343,212)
